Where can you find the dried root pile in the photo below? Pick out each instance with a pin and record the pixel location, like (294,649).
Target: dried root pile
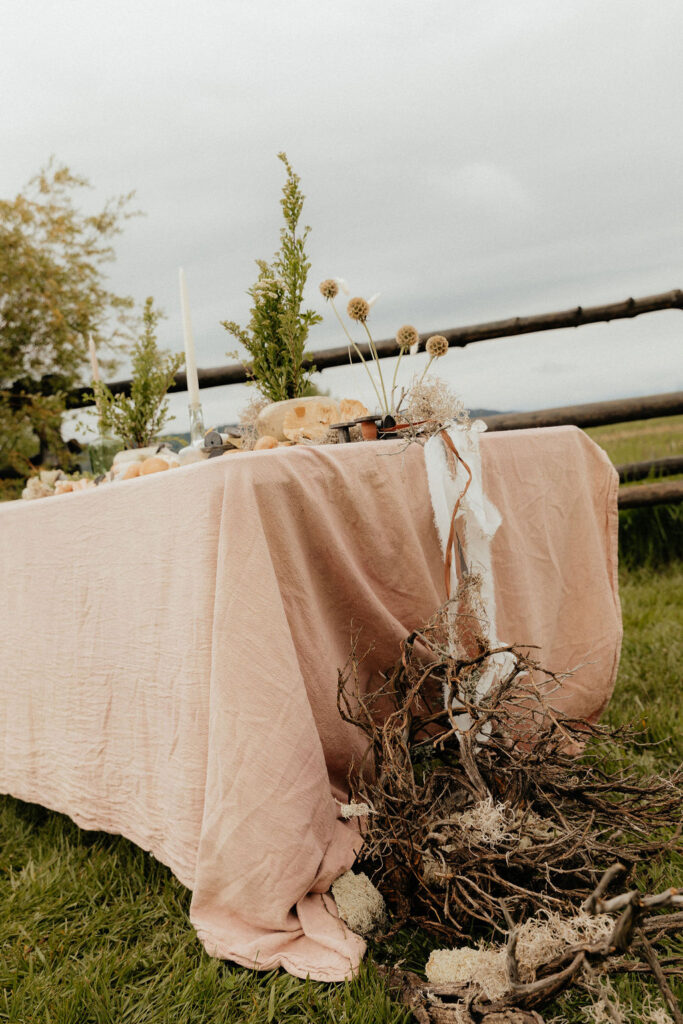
(487,810)
(509,983)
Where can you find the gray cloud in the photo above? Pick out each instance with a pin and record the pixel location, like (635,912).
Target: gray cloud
(470,161)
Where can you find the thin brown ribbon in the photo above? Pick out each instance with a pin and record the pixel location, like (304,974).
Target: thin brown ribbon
(448,441)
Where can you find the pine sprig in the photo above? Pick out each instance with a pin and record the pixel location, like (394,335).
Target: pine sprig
(277,332)
(137,419)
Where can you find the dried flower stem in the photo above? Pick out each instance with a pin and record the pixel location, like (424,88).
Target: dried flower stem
(375,356)
(356,349)
(426,369)
(393,382)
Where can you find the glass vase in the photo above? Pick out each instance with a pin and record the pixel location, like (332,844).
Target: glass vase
(196,424)
(102,452)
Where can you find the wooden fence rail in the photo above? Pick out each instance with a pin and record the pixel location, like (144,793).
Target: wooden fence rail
(458,337)
(660,492)
(669,492)
(668,466)
(592,414)
(588,415)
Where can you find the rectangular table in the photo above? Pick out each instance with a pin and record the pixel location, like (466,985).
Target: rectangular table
(170,647)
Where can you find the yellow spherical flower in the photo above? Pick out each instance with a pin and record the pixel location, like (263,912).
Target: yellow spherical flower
(329,288)
(436,346)
(358,309)
(407,336)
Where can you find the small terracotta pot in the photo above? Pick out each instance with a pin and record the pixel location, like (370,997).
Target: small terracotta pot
(368,429)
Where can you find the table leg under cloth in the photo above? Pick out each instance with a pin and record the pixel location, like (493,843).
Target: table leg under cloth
(170,651)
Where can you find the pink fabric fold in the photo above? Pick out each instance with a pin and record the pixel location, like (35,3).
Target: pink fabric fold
(170,649)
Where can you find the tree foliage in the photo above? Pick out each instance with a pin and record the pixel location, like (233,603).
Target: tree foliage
(276,335)
(53,293)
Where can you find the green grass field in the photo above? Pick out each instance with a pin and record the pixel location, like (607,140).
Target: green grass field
(647,536)
(94,930)
(642,440)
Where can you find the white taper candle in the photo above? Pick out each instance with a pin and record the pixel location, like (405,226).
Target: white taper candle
(93,359)
(190,362)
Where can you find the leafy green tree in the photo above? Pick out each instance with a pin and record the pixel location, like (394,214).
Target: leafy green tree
(276,335)
(53,294)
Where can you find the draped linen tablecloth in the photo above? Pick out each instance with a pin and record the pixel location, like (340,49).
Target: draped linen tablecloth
(170,647)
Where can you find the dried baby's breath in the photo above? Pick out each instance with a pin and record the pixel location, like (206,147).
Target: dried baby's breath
(248,418)
(431,399)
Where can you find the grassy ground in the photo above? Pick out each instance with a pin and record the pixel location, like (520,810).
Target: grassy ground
(94,931)
(642,440)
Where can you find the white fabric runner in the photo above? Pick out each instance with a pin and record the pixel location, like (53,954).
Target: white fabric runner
(477,521)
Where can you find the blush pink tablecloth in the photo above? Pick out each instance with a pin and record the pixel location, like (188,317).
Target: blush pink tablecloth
(170,646)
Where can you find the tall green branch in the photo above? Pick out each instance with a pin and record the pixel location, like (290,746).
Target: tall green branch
(137,419)
(277,332)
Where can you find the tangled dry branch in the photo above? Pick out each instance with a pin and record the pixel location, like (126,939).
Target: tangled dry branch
(482,797)
(517,1002)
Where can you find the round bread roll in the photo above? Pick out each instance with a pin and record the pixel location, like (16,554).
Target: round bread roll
(134,454)
(265,442)
(132,470)
(153,465)
(351,409)
(311,420)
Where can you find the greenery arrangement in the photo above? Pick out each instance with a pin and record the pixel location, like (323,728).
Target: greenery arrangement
(277,332)
(138,418)
(53,295)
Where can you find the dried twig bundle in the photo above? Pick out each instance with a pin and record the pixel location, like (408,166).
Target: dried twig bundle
(541,959)
(478,796)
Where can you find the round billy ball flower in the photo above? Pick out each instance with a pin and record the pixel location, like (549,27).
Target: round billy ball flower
(358,309)
(436,346)
(329,288)
(407,336)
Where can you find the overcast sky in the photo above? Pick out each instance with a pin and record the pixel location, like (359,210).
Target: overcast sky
(468,159)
